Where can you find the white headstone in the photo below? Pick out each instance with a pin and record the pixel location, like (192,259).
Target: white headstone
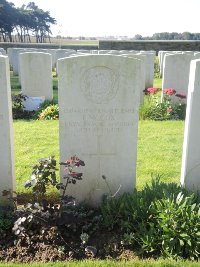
(149,67)
(143,72)
(7,172)
(64,53)
(60,53)
(33,102)
(162,58)
(176,73)
(98,105)
(52,52)
(190,172)
(13,54)
(36,75)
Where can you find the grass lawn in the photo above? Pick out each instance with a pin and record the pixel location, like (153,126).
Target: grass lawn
(159,148)
(108,263)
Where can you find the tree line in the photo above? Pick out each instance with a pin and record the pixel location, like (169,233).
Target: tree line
(169,36)
(19,24)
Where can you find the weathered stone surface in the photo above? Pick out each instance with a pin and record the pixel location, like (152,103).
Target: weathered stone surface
(7,172)
(36,75)
(13,54)
(176,73)
(33,102)
(149,67)
(143,72)
(190,171)
(99,101)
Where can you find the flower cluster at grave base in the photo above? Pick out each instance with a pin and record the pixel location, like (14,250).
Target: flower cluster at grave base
(51,112)
(167,109)
(169,91)
(181,95)
(151,91)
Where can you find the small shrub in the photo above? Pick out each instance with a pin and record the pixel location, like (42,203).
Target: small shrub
(18,108)
(51,112)
(177,226)
(39,212)
(161,220)
(154,109)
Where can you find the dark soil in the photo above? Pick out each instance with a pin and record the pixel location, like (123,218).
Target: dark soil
(54,244)
(45,239)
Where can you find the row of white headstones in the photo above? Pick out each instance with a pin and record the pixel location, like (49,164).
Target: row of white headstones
(31,63)
(175,69)
(99,97)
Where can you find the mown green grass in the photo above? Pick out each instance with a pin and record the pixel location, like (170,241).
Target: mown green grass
(33,140)
(159,148)
(109,263)
(159,151)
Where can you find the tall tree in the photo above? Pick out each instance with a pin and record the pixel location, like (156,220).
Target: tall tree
(8,15)
(41,22)
(26,20)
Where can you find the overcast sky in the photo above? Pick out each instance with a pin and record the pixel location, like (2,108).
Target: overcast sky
(120,18)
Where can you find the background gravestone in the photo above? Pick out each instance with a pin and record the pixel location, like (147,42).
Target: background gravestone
(143,72)
(98,105)
(36,75)
(190,172)
(7,173)
(176,73)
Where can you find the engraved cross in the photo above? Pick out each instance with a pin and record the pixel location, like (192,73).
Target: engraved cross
(99,155)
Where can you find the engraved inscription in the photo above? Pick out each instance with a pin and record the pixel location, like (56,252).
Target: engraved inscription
(99,84)
(99,121)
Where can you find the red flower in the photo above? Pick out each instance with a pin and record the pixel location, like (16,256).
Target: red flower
(169,91)
(151,91)
(181,95)
(76,175)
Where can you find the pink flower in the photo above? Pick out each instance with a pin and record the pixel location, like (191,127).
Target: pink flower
(169,91)
(151,91)
(181,95)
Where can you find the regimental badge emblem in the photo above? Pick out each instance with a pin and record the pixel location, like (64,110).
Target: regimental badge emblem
(99,84)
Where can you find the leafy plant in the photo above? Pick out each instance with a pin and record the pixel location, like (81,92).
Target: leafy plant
(154,220)
(40,212)
(43,176)
(178,225)
(155,109)
(18,108)
(63,220)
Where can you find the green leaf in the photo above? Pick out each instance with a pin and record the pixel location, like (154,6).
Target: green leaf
(193,206)
(183,235)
